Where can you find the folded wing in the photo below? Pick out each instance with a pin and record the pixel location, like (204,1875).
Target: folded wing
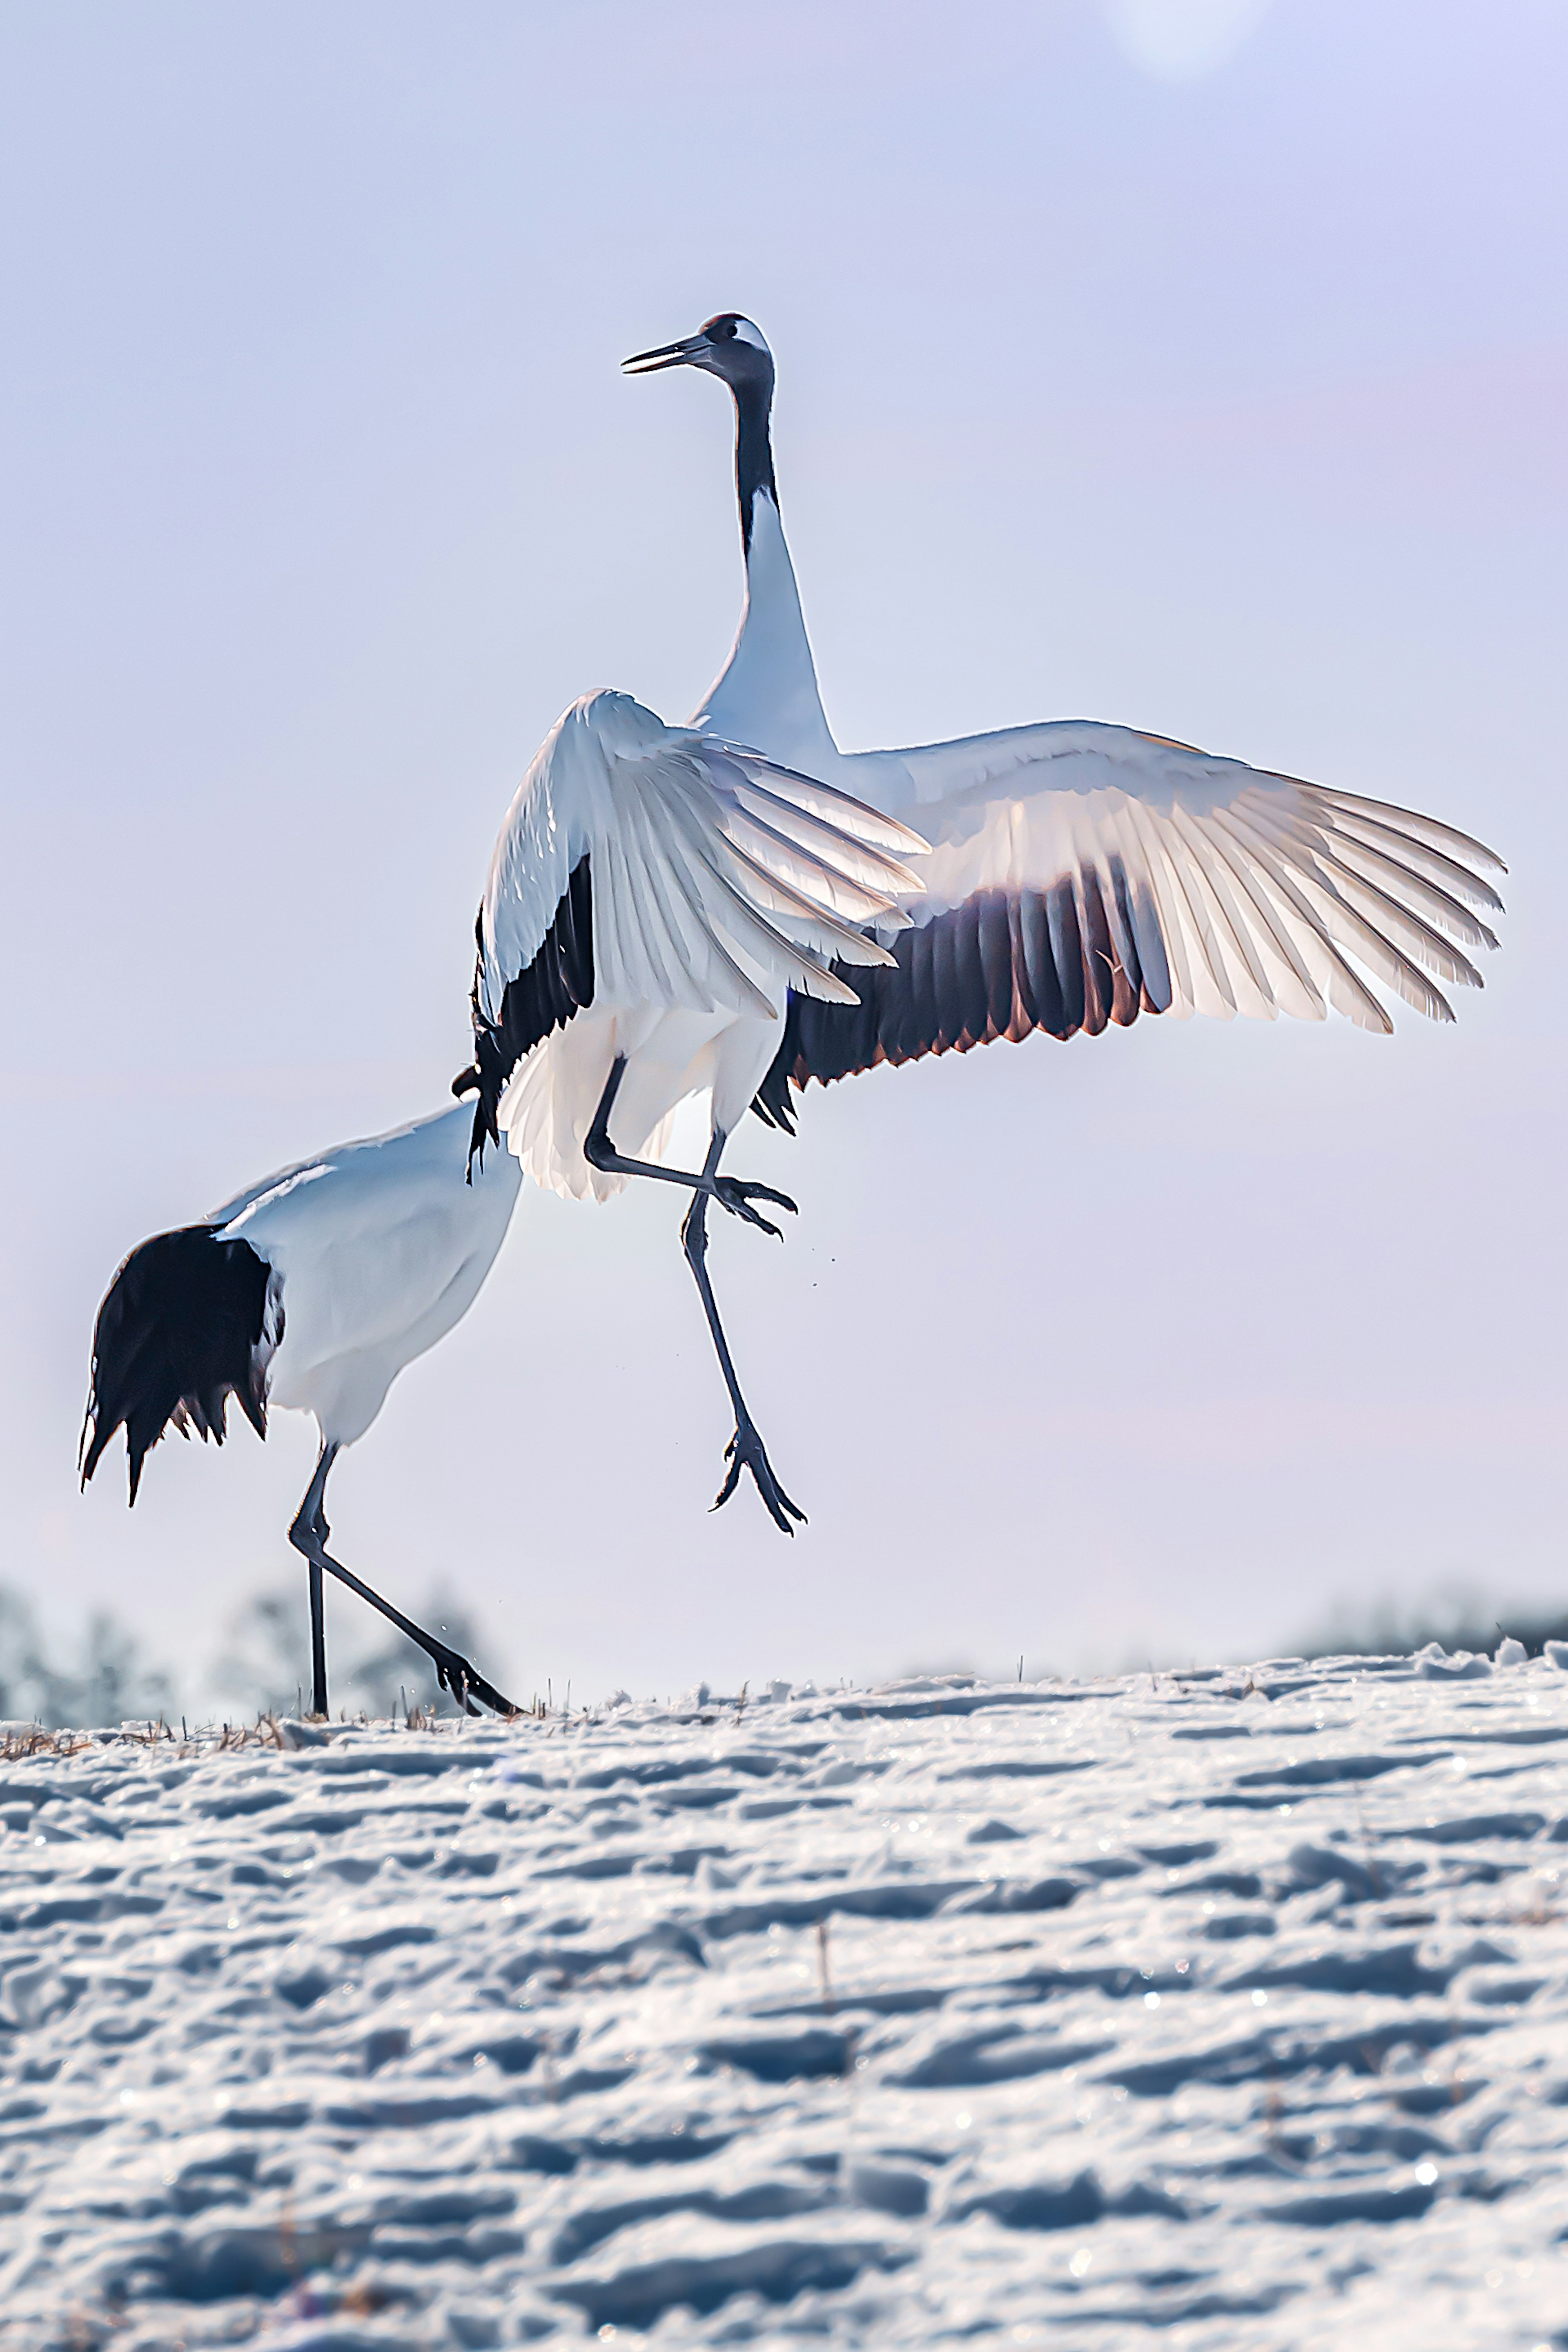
(1080,874)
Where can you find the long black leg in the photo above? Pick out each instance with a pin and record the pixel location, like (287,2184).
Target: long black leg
(308,1518)
(318,1642)
(745,1450)
(453,1671)
(727,1191)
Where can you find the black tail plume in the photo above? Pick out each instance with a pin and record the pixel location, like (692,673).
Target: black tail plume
(180,1327)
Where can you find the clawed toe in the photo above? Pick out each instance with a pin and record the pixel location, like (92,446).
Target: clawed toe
(734,1194)
(746,1451)
(768,1193)
(455,1675)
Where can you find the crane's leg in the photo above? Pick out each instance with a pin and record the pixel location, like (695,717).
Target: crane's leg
(318,1644)
(308,1515)
(453,1672)
(745,1450)
(727,1191)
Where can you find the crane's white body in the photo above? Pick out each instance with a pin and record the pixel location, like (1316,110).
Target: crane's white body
(376,1250)
(549,1106)
(766,695)
(718,884)
(1240,890)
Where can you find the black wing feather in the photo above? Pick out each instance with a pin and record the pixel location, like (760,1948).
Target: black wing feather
(1003,964)
(543,996)
(180,1327)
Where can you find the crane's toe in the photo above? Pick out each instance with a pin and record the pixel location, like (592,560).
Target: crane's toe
(454,1674)
(746,1451)
(733,1192)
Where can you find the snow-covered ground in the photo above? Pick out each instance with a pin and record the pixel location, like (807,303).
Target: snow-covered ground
(1209,2010)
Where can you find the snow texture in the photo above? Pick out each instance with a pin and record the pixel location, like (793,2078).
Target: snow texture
(1210,2010)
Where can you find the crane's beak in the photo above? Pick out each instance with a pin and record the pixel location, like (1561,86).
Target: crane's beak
(691,353)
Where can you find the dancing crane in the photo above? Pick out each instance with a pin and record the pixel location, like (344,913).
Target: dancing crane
(1079,873)
(311,1290)
(653,899)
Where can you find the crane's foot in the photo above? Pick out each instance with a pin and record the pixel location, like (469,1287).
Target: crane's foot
(732,1194)
(454,1674)
(746,1451)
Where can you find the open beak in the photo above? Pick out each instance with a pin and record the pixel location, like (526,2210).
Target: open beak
(691,353)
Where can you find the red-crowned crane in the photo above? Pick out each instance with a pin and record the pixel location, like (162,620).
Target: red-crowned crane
(1079,873)
(311,1289)
(653,900)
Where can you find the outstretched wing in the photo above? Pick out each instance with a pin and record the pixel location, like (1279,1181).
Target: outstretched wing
(647,865)
(1081,874)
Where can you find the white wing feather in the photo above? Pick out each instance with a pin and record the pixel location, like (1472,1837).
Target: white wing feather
(1246,891)
(714,873)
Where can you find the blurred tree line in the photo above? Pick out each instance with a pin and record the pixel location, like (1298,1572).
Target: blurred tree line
(1460,1621)
(104,1677)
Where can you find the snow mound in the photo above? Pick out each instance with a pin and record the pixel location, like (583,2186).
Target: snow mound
(1077,2014)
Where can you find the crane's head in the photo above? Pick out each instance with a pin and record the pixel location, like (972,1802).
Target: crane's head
(726,345)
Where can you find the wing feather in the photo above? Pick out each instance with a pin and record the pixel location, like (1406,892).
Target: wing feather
(641,864)
(1439,905)
(1417,938)
(1234,932)
(1446,871)
(1294,989)
(1446,838)
(1080,874)
(756,933)
(1306,847)
(1141,823)
(867,861)
(1347,993)
(1212,992)
(867,821)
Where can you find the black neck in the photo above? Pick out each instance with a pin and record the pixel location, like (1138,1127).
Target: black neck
(754,450)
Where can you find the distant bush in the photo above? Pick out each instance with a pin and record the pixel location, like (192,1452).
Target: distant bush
(107,1681)
(1459,1621)
(264,1667)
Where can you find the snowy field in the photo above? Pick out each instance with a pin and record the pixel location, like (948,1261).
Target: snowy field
(1199,2011)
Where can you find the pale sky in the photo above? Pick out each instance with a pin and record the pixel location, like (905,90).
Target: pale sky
(1201,367)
